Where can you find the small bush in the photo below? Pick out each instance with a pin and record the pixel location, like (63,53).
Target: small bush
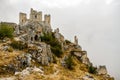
(10,49)
(92,69)
(54,59)
(69,62)
(57,51)
(18,45)
(6,31)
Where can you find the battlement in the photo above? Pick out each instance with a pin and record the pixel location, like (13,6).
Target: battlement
(34,16)
(47,18)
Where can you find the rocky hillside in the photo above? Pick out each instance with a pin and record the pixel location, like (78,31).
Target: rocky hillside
(22,61)
(32,51)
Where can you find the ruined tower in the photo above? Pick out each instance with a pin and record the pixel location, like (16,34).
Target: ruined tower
(35,16)
(47,19)
(75,40)
(22,18)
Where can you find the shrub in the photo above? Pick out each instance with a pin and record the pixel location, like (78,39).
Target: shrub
(54,59)
(53,42)
(10,49)
(18,45)
(6,31)
(69,62)
(57,51)
(92,69)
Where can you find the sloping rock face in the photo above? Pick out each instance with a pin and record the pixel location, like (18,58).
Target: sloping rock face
(36,53)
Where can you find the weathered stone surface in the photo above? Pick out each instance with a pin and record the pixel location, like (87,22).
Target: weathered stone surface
(88,77)
(102,70)
(82,56)
(34,26)
(28,57)
(63,61)
(9,78)
(58,35)
(85,60)
(46,55)
(29,70)
(42,53)
(5,48)
(76,40)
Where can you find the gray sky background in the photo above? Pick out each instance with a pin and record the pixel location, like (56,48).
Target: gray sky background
(95,22)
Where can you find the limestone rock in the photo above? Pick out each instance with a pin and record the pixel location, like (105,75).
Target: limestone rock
(102,70)
(9,78)
(88,77)
(29,70)
(42,53)
(58,35)
(75,40)
(85,60)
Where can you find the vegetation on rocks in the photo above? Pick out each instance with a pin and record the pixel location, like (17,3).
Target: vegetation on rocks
(18,45)
(69,62)
(53,42)
(92,69)
(6,31)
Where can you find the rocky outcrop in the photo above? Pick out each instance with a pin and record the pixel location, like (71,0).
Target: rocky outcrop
(81,56)
(41,53)
(38,52)
(29,70)
(88,77)
(102,70)
(58,35)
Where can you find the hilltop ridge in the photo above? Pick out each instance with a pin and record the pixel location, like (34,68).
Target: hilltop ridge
(34,51)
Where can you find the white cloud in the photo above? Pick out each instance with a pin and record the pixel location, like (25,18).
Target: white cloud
(13,1)
(61,3)
(109,1)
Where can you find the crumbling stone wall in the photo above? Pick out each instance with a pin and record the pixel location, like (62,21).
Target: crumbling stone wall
(35,16)
(22,18)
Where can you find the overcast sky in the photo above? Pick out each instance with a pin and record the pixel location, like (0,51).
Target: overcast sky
(95,22)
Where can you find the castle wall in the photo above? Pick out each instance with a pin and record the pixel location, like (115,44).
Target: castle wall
(35,16)
(22,18)
(47,19)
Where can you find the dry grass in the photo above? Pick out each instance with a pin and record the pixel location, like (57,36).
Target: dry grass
(7,57)
(78,72)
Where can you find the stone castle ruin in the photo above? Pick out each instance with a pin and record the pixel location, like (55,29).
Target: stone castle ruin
(34,16)
(32,28)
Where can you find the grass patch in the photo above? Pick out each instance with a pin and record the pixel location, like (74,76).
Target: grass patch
(6,31)
(92,69)
(19,45)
